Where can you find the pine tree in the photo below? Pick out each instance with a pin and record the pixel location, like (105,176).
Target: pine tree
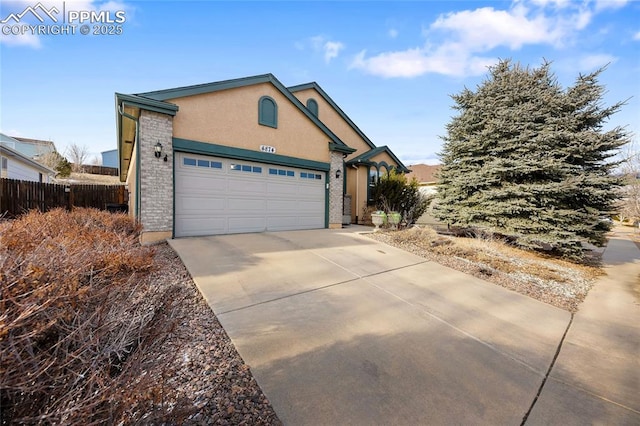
(528,160)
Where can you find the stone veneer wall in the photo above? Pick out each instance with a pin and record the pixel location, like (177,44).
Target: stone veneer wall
(156,175)
(336,190)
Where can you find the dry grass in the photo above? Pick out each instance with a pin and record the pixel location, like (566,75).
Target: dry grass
(90,179)
(77,313)
(551,280)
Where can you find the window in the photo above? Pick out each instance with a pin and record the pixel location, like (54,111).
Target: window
(312,106)
(282,172)
(189,161)
(310,176)
(247,168)
(203,163)
(216,165)
(268,112)
(373,176)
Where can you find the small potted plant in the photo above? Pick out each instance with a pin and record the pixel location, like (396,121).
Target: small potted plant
(378,218)
(394,219)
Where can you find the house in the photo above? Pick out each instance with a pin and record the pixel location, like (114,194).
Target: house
(110,158)
(426,175)
(243,155)
(31,148)
(15,165)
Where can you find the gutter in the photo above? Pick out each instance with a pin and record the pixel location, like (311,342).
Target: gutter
(137,124)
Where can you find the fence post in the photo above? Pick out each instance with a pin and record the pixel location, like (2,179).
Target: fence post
(67,190)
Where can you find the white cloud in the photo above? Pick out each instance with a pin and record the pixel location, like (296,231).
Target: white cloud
(393,33)
(26,40)
(330,49)
(593,62)
(636,36)
(415,62)
(610,4)
(459,43)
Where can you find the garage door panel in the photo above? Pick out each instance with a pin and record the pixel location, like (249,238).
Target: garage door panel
(201,226)
(244,185)
(199,204)
(219,196)
(242,205)
(247,224)
(309,206)
(276,206)
(203,184)
(280,188)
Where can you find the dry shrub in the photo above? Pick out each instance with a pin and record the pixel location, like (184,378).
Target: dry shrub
(77,310)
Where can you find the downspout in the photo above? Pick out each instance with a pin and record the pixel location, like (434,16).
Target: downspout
(135,120)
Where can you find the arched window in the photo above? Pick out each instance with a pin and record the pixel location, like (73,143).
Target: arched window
(268,112)
(312,106)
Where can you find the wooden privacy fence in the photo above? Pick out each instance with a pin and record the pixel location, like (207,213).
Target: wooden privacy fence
(19,196)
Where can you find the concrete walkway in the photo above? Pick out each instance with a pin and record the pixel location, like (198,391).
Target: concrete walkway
(340,329)
(596,378)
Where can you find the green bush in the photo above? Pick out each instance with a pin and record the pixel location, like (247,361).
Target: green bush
(395,193)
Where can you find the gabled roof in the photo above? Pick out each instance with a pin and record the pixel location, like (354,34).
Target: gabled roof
(31,148)
(149,104)
(345,117)
(10,152)
(366,157)
(424,173)
(179,92)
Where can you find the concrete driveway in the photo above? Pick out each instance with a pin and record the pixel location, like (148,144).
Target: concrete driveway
(340,329)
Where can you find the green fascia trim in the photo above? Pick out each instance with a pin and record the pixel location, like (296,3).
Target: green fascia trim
(195,147)
(180,92)
(345,117)
(341,148)
(365,158)
(147,104)
(198,89)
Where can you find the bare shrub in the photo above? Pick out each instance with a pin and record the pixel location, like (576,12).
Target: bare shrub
(77,312)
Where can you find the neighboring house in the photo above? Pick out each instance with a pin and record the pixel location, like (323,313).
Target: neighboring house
(243,155)
(15,165)
(32,148)
(426,175)
(110,158)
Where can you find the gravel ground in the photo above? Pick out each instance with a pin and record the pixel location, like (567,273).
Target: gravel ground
(205,378)
(558,283)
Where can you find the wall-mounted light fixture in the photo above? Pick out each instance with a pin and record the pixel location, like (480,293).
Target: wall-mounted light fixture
(158,150)
(338,173)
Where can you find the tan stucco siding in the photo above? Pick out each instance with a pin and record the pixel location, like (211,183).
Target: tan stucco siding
(384,157)
(335,122)
(357,184)
(230,117)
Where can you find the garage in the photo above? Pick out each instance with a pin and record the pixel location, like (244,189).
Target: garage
(215,195)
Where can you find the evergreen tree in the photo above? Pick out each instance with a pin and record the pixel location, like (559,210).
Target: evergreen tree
(526,159)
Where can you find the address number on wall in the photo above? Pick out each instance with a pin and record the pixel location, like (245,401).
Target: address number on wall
(267,148)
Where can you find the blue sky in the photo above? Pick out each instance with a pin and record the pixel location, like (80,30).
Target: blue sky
(391,66)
